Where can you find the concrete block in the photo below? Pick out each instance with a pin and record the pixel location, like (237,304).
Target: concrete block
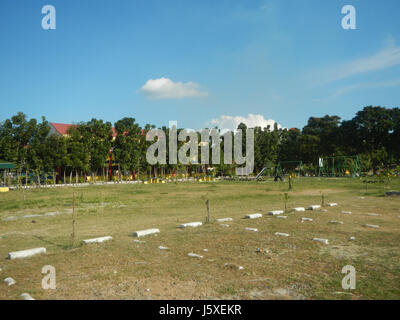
(314,207)
(142,233)
(191,224)
(52,213)
(336,222)
(299,209)
(332,204)
(31,216)
(251,229)
(163,248)
(281,234)
(306,219)
(11,218)
(224,219)
(26,253)
(281,217)
(346,212)
(275,212)
(325,241)
(97,240)
(233,266)
(193,255)
(253,216)
(26,296)
(10,281)
(371,226)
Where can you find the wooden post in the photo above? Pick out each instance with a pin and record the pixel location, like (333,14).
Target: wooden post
(73,219)
(208,210)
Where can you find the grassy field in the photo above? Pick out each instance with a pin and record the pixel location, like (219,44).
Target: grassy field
(292,267)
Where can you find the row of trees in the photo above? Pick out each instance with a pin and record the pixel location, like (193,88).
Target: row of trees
(373,134)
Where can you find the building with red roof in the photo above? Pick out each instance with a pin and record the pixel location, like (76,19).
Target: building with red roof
(61,129)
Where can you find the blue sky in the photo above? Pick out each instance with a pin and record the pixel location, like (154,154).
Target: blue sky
(197,62)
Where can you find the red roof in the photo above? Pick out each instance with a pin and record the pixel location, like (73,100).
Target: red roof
(62,128)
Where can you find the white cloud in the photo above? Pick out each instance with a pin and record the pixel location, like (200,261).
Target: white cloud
(231,123)
(164,88)
(383,59)
(367,85)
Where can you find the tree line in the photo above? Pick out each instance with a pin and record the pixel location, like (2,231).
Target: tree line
(373,134)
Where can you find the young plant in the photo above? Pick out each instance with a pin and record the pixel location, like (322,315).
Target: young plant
(322,199)
(290,183)
(285,198)
(207,202)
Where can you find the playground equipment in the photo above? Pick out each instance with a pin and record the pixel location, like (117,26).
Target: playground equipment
(5,167)
(262,171)
(294,168)
(339,166)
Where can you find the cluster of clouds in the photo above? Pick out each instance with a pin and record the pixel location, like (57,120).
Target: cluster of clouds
(164,88)
(226,122)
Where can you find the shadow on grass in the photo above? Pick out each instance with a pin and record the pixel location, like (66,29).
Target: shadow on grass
(67,246)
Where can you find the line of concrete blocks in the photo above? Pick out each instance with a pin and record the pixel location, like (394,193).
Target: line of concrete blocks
(191,224)
(26,253)
(251,229)
(97,240)
(253,216)
(281,234)
(335,222)
(324,241)
(26,296)
(224,219)
(275,212)
(371,226)
(10,281)
(142,233)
